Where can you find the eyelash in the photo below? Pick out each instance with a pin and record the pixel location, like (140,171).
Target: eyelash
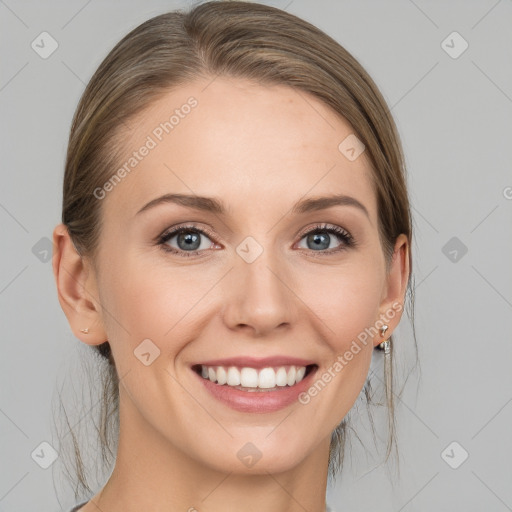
(344,236)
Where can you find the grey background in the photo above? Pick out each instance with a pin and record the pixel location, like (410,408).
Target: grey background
(454,116)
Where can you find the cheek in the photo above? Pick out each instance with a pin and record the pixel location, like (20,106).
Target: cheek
(149,300)
(140,303)
(347,301)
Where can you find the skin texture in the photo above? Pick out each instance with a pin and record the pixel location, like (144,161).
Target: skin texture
(259,149)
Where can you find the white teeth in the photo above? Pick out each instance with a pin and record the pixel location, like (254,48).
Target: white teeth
(281,377)
(249,378)
(222,376)
(233,377)
(266,378)
(292,373)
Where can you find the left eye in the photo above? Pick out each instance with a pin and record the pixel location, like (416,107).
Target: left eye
(320,239)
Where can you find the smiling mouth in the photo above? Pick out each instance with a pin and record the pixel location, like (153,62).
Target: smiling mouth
(255,380)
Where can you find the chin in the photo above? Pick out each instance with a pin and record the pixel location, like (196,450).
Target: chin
(256,454)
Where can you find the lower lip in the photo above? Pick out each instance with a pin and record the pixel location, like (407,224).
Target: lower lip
(258,401)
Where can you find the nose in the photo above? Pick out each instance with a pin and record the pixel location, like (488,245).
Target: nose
(259,296)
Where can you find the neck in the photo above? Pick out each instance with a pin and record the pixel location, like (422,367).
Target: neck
(152,473)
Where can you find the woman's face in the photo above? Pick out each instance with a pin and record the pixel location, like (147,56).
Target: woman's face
(249,284)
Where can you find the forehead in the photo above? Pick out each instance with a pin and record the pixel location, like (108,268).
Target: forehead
(250,144)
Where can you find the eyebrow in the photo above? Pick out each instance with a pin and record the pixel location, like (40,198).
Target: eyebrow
(210,204)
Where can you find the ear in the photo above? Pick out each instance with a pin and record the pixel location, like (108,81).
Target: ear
(393,299)
(76,288)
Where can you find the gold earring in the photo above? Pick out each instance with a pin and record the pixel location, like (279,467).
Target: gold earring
(85,331)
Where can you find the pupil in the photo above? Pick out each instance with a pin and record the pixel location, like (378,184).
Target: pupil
(191,240)
(320,240)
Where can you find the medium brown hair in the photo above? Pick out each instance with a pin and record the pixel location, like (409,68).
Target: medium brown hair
(239,40)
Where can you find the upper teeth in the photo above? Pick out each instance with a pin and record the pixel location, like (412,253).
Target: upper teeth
(253,378)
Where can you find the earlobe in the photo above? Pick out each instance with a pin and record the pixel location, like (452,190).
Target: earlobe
(76,289)
(396,286)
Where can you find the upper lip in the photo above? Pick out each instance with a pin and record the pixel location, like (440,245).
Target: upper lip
(255,362)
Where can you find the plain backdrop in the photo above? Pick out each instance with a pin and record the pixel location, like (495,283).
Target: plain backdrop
(445,68)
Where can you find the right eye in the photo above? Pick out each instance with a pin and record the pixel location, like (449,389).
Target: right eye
(188,241)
